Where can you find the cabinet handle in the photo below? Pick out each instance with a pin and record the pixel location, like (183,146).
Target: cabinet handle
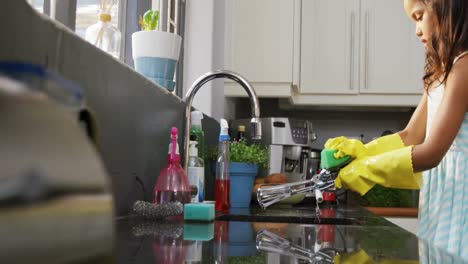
(366,54)
(351,59)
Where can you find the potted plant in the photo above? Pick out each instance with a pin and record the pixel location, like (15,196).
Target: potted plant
(245,161)
(155,53)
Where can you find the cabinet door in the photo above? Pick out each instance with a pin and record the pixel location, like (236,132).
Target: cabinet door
(392,57)
(329,46)
(259,39)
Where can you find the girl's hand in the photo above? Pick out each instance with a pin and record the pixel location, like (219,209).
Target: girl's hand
(346,147)
(390,169)
(356,149)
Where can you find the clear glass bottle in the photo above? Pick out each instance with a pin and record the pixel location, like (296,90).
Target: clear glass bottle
(104,35)
(196,173)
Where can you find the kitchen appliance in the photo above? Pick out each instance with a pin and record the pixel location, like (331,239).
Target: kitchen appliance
(288,142)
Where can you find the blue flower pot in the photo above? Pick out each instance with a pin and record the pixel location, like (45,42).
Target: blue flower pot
(242,177)
(241,241)
(242,181)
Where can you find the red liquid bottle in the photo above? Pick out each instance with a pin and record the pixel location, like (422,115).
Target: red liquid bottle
(222,195)
(222,170)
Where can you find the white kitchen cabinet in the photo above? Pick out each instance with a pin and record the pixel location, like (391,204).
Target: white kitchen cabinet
(392,57)
(259,45)
(358,52)
(329,46)
(325,52)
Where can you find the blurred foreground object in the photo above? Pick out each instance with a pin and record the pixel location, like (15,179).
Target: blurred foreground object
(55,201)
(43,149)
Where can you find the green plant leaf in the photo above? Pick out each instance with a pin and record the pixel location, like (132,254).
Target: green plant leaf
(150,19)
(388,197)
(241,152)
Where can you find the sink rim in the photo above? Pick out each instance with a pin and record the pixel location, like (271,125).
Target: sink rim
(289,219)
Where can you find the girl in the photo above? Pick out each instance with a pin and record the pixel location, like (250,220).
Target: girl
(436,138)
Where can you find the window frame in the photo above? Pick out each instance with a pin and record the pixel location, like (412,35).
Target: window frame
(129,11)
(45,7)
(178,23)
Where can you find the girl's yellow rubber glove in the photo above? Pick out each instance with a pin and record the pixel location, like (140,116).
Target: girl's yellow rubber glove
(390,169)
(352,258)
(361,257)
(356,149)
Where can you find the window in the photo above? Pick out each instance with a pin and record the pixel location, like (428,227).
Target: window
(80,14)
(40,5)
(172,20)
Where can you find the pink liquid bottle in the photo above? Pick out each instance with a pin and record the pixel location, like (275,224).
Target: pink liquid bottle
(172,184)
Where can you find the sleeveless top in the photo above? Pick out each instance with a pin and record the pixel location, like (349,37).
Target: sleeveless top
(443,200)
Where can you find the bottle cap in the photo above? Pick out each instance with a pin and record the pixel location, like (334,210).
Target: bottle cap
(193,150)
(224,128)
(241,128)
(104,17)
(196,117)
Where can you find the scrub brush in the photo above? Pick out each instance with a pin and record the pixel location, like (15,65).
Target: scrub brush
(163,228)
(157,211)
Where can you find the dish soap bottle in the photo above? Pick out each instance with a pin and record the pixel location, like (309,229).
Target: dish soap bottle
(196,130)
(222,181)
(196,173)
(172,184)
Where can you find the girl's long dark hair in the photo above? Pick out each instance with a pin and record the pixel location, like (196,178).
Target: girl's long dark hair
(450,38)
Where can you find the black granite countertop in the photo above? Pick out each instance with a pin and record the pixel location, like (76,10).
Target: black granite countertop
(277,235)
(340,234)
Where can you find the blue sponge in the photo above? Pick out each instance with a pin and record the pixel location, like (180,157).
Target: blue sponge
(199,231)
(199,212)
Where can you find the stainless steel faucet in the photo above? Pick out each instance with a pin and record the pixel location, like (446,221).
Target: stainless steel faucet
(256,127)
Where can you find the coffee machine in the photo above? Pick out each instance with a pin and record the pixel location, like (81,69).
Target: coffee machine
(288,142)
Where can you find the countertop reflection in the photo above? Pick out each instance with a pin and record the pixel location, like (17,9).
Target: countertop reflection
(72,228)
(82,229)
(373,240)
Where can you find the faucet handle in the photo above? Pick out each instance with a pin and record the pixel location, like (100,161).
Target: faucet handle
(256,128)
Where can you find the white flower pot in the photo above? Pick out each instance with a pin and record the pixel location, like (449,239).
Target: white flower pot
(156,54)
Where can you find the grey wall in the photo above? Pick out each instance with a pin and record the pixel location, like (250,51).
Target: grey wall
(134,116)
(332,122)
(204,52)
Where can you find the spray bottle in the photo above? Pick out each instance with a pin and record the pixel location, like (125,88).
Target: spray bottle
(195,173)
(222,182)
(196,131)
(172,184)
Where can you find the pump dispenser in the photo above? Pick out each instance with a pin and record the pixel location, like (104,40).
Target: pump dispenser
(222,183)
(196,174)
(196,131)
(172,184)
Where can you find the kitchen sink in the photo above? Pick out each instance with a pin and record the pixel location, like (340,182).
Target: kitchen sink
(290,219)
(292,215)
